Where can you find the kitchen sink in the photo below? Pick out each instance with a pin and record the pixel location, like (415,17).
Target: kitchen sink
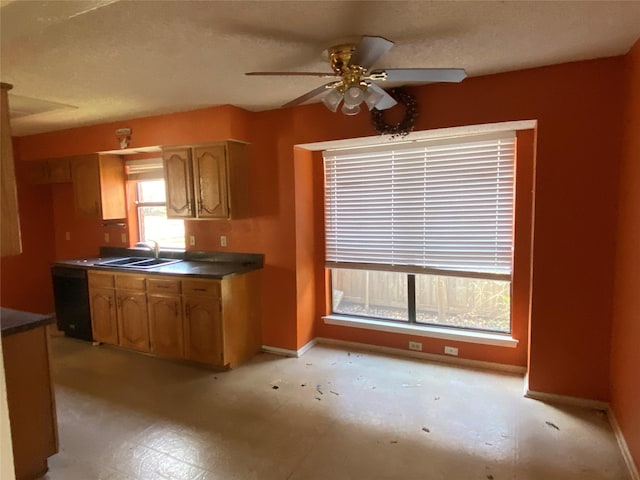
(155,262)
(137,262)
(120,262)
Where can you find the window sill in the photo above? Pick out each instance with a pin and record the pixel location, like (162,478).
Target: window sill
(424,331)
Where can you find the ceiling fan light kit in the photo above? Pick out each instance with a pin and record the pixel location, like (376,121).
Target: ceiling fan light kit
(355,82)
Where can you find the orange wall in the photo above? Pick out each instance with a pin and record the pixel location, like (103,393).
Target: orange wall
(521,285)
(625,355)
(578,106)
(25,279)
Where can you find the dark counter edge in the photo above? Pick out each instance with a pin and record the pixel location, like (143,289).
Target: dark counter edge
(16,321)
(238,263)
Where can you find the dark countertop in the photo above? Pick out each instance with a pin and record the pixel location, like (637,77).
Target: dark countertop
(202,266)
(16,321)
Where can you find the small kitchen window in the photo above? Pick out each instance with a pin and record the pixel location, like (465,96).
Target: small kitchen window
(153,223)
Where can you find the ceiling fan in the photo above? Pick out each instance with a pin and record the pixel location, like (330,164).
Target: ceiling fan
(356,83)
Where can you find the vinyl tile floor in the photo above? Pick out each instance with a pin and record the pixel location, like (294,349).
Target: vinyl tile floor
(332,414)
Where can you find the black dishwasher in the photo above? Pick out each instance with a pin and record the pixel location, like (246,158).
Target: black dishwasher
(71,296)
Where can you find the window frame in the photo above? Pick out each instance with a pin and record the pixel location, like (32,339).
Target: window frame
(140,217)
(412,271)
(412,311)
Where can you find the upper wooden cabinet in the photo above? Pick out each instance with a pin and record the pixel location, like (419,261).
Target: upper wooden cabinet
(54,170)
(99,186)
(178,174)
(10,242)
(208,181)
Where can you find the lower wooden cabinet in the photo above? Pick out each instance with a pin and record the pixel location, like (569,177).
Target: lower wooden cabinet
(103,314)
(165,325)
(133,321)
(31,401)
(214,322)
(203,330)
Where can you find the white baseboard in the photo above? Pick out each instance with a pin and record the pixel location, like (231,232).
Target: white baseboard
(424,356)
(624,448)
(289,353)
(566,400)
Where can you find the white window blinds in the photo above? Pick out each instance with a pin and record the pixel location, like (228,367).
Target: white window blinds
(145,169)
(442,206)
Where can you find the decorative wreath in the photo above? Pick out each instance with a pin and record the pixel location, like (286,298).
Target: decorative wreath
(410,115)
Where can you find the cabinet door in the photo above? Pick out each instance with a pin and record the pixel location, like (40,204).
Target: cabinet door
(133,323)
(165,325)
(38,172)
(179,183)
(59,170)
(10,242)
(112,197)
(203,330)
(103,315)
(210,172)
(86,186)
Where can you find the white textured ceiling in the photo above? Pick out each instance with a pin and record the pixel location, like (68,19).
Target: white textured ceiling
(106,60)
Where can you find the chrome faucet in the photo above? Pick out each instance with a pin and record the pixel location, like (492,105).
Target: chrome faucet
(154,247)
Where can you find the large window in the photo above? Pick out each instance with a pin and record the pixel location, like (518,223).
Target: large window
(423,232)
(153,223)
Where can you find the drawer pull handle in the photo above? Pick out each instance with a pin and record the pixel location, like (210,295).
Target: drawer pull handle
(200,289)
(162,286)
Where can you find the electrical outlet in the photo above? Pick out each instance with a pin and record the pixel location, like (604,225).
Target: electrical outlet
(223,240)
(451,351)
(107,237)
(123,237)
(192,240)
(67,235)
(415,346)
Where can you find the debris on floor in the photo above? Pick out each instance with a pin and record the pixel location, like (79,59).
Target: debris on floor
(275,387)
(318,389)
(437,398)
(317,398)
(348,354)
(393,441)
(335,393)
(303,384)
(489,477)
(425,429)
(553,425)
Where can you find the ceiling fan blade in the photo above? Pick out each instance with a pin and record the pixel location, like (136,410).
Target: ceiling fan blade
(309,95)
(422,75)
(369,50)
(293,74)
(387,101)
